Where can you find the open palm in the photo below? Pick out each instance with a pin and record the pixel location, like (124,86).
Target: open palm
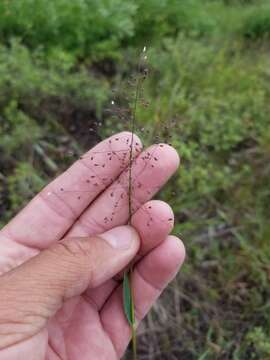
(88,199)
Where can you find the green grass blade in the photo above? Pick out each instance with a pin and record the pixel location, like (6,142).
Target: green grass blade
(129,309)
(127,297)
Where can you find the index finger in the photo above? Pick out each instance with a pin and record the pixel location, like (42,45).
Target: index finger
(53,211)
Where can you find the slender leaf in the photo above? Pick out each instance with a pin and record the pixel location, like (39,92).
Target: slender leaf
(127,299)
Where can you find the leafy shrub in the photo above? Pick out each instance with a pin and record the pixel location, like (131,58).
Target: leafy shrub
(82,27)
(99,28)
(31,77)
(260,341)
(23,184)
(241,2)
(257,23)
(167,18)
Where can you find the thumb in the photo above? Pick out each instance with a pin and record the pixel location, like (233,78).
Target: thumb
(33,292)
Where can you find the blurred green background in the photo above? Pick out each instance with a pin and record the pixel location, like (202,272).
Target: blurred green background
(208,90)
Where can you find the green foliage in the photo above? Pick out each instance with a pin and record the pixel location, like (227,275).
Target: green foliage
(157,19)
(257,23)
(97,29)
(84,27)
(260,341)
(15,132)
(23,184)
(214,111)
(46,77)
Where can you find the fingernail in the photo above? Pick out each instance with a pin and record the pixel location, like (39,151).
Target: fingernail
(120,237)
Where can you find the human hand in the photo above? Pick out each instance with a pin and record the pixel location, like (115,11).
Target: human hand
(60,297)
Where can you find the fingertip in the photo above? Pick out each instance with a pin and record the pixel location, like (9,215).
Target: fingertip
(169,256)
(163,213)
(158,210)
(171,154)
(153,221)
(177,249)
(162,264)
(162,209)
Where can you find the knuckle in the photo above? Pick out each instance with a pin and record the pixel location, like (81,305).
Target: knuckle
(76,247)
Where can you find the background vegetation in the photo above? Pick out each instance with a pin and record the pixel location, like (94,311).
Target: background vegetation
(209,89)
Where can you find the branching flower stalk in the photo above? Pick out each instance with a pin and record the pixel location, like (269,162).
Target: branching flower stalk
(128,297)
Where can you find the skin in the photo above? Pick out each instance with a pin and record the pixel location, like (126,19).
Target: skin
(60,294)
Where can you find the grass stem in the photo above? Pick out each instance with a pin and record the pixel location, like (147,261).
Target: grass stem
(130,209)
